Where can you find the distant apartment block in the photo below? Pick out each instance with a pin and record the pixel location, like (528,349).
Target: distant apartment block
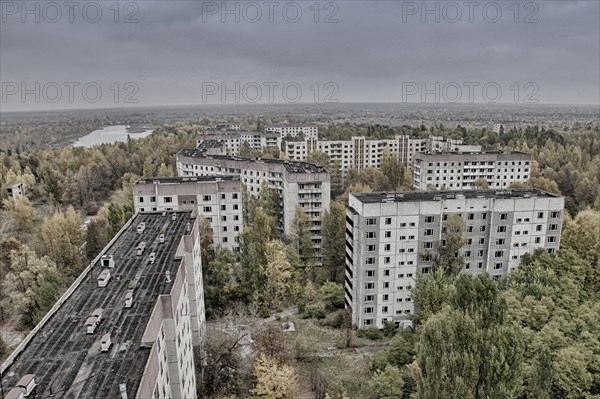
(217,198)
(459,171)
(234,140)
(298,183)
(391,238)
(309,131)
(128,326)
(360,152)
(224,127)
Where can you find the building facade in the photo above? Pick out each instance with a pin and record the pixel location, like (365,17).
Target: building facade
(234,140)
(146,320)
(216,198)
(361,152)
(391,237)
(297,183)
(309,131)
(460,171)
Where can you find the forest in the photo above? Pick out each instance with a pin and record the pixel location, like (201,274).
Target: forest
(533,335)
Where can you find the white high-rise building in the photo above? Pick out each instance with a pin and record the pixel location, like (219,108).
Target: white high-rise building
(234,140)
(309,131)
(216,198)
(391,239)
(459,171)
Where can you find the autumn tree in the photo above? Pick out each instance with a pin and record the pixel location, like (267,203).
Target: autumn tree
(96,237)
(448,256)
(274,381)
(481,183)
(394,172)
(302,237)
(270,203)
(62,239)
(387,383)
(278,273)
(22,211)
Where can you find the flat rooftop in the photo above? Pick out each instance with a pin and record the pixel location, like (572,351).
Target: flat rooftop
(458,154)
(187,179)
(66,361)
(290,166)
(412,196)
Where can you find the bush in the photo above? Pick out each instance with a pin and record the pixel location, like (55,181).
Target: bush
(389,329)
(335,320)
(333,295)
(317,312)
(371,333)
(301,307)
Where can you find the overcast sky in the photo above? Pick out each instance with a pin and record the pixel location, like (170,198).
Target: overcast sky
(188,52)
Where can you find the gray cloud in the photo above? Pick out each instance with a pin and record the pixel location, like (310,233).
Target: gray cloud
(369,53)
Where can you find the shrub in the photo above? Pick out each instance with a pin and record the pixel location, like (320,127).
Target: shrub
(389,329)
(371,333)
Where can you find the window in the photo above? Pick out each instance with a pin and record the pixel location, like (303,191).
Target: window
(429,219)
(538,227)
(168,199)
(223,207)
(479,265)
(369,286)
(234,196)
(152,199)
(387,247)
(222,196)
(484,216)
(501,229)
(368,322)
(498,266)
(470,229)
(386,284)
(482,228)
(388,220)
(538,240)
(371,221)
(554,214)
(370,273)
(386,297)
(370,261)
(503,216)
(140,199)
(480,253)
(371,234)
(425,270)
(499,254)
(428,245)
(206,198)
(429,232)
(370,248)
(470,216)
(369,298)
(552,239)
(481,241)
(384,309)
(388,234)
(553,227)
(369,310)
(386,272)
(500,241)
(207,209)
(223,218)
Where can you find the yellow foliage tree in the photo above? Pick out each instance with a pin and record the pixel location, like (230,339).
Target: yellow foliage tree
(274,381)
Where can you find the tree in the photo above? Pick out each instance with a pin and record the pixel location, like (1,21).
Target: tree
(270,203)
(62,239)
(448,256)
(96,237)
(582,235)
(319,158)
(217,279)
(23,212)
(431,293)
(278,275)
(274,381)
(394,171)
(301,235)
(334,239)
(469,350)
(269,340)
(333,295)
(481,183)
(207,250)
(387,383)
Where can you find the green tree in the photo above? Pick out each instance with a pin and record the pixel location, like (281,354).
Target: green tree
(62,239)
(469,350)
(270,203)
(333,295)
(334,239)
(217,281)
(301,236)
(278,274)
(387,383)
(96,237)
(448,256)
(394,171)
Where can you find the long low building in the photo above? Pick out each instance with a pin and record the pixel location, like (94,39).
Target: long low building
(461,171)
(361,152)
(298,183)
(391,239)
(216,198)
(128,326)
(233,141)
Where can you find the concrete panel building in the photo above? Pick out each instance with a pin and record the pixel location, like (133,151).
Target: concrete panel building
(390,237)
(309,131)
(146,320)
(234,140)
(298,183)
(217,198)
(459,171)
(361,152)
